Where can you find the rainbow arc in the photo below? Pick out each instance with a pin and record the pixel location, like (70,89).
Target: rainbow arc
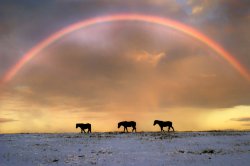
(127,17)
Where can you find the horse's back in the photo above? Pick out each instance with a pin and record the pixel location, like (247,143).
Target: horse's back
(129,123)
(84,125)
(133,123)
(79,124)
(168,123)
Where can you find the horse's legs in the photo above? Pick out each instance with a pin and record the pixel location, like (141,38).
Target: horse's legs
(127,129)
(168,128)
(124,130)
(162,129)
(84,130)
(172,128)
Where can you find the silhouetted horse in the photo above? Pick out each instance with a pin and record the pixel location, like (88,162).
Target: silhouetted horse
(126,124)
(164,124)
(84,126)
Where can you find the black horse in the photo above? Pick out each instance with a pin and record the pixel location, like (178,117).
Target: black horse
(126,124)
(164,124)
(84,126)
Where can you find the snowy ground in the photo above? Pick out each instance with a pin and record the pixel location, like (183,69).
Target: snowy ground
(147,148)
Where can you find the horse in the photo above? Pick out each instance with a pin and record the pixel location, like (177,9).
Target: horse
(164,124)
(126,124)
(84,126)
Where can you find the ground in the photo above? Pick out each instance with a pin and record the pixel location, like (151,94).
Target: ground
(113,148)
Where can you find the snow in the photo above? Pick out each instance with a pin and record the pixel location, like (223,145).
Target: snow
(113,148)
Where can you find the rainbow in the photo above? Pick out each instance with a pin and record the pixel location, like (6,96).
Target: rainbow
(127,17)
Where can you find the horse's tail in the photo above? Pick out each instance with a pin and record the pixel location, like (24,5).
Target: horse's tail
(172,126)
(90,128)
(135,127)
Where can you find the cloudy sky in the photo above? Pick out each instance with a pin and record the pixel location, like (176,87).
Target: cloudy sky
(124,70)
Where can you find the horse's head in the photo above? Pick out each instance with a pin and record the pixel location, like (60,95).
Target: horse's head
(77,125)
(119,125)
(155,122)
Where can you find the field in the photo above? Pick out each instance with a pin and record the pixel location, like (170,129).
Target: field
(113,148)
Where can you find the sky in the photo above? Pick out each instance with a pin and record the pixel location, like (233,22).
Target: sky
(124,70)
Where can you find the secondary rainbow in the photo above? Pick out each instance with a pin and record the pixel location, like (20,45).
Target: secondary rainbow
(127,17)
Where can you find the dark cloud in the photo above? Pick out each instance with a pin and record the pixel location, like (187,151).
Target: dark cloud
(225,21)
(24,24)
(5,120)
(98,67)
(242,119)
(116,69)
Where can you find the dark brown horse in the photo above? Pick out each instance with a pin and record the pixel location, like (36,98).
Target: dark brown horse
(164,124)
(84,126)
(126,124)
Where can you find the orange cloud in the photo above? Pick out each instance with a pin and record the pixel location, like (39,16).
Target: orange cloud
(149,58)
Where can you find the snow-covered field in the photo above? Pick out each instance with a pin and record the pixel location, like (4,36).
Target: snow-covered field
(146,148)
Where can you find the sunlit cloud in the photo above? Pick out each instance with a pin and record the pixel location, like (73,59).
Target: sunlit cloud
(197,9)
(149,58)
